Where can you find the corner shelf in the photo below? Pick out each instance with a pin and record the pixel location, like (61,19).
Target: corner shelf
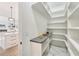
(57,9)
(68,47)
(55,16)
(73,28)
(59,34)
(72,18)
(76,45)
(70,13)
(58,39)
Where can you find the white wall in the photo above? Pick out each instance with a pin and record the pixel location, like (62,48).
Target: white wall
(41,22)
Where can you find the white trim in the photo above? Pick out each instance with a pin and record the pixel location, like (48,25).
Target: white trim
(57,28)
(59,22)
(75,28)
(59,39)
(59,34)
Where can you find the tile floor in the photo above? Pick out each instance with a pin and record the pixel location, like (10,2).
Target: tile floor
(57,51)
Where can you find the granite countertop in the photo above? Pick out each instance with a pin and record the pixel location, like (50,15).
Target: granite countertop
(40,39)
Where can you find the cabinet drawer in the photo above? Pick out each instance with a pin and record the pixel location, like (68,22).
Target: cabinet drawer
(11,45)
(11,41)
(10,37)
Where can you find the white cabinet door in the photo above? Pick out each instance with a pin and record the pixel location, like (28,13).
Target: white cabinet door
(9,40)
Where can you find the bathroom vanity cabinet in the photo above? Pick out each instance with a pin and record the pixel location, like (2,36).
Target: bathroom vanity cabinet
(40,46)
